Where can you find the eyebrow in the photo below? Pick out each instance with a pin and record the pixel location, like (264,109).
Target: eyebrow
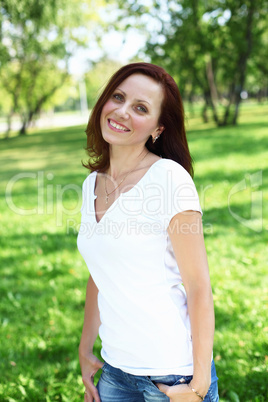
(137,100)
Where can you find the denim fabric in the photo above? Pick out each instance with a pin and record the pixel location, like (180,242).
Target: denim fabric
(117,386)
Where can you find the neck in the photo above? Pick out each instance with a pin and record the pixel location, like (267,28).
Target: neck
(124,159)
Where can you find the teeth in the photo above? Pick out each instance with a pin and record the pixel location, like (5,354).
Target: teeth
(117,126)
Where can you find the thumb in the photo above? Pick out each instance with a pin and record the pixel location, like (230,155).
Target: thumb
(163,388)
(99,364)
(96,362)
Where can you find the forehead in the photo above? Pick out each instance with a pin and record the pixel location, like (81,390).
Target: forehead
(143,87)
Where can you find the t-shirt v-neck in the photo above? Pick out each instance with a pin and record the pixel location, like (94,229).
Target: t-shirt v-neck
(139,183)
(145,327)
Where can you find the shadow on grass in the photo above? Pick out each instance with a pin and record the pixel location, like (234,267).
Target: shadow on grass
(225,143)
(237,218)
(60,152)
(231,176)
(70,135)
(55,242)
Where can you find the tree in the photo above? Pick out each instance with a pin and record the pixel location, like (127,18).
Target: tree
(240,36)
(97,77)
(206,45)
(37,39)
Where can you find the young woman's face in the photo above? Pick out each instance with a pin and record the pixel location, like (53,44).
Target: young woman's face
(131,115)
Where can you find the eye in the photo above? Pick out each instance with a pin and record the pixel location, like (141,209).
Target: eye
(142,109)
(118,97)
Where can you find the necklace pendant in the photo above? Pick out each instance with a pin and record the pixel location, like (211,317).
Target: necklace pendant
(107,199)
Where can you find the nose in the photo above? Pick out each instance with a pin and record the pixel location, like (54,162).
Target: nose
(122,111)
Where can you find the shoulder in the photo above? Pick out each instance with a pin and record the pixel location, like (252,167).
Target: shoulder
(176,187)
(89,179)
(168,167)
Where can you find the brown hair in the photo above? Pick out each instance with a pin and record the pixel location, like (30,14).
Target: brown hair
(172,143)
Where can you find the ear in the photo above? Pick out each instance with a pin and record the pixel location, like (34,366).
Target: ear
(160,130)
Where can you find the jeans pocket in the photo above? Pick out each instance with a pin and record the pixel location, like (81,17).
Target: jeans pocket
(186,379)
(213,395)
(170,380)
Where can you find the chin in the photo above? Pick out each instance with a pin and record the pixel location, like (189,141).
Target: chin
(115,139)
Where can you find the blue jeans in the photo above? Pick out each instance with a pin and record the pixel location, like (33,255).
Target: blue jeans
(117,386)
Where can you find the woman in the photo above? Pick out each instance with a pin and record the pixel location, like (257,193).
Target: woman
(149,295)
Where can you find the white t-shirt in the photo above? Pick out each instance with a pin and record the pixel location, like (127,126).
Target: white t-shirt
(145,328)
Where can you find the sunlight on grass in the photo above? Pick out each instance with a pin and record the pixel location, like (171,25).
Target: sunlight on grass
(44,277)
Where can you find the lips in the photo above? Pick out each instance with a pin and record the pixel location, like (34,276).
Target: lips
(115,126)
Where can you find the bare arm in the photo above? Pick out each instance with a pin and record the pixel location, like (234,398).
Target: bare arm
(185,231)
(88,362)
(92,317)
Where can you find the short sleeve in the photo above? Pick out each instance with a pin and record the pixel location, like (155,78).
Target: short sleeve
(179,191)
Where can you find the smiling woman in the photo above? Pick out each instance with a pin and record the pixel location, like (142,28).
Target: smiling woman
(173,146)
(148,295)
(139,115)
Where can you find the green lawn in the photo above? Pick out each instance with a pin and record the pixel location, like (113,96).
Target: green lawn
(43,277)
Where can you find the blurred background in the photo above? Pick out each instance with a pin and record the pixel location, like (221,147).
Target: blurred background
(55,58)
(56,55)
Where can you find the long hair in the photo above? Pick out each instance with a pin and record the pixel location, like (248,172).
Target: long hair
(172,143)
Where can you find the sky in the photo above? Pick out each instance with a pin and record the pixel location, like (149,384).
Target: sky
(119,46)
(116,46)
(122,47)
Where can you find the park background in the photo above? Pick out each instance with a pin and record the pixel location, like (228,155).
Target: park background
(55,57)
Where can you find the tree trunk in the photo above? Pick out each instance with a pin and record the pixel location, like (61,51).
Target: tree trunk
(237,104)
(36,109)
(225,119)
(23,128)
(27,121)
(191,103)
(204,113)
(205,108)
(9,121)
(211,81)
(214,112)
(242,64)
(30,116)
(213,96)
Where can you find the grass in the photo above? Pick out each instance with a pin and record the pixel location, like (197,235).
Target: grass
(43,277)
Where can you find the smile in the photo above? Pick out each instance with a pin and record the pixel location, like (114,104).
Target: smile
(117,126)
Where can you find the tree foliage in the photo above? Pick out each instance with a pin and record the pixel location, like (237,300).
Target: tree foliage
(94,78)
(37,39)
(207,46)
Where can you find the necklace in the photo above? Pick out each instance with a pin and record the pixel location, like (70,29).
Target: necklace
(106,192)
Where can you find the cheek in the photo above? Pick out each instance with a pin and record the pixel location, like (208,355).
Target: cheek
(143,126)
(107,108)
